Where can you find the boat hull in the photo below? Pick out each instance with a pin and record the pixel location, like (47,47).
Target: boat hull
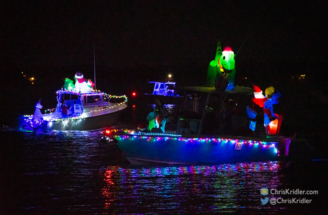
(89,123)
(186,151)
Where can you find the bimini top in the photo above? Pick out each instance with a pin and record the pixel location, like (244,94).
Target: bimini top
(162,88)
(238,90)
(152,82)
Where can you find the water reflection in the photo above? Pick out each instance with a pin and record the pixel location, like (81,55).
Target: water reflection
(181,189)
(77,172)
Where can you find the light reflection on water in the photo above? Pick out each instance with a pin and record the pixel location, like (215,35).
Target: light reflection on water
(180,189)
(78,172)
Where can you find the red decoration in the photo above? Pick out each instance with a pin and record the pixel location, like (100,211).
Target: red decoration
(227,49)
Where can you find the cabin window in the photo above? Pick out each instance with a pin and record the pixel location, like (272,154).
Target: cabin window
(66,97)
(93,99)
(105,98)
(156,86)
(162,87)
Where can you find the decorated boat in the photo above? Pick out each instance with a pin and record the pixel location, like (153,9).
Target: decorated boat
(217,123)
(79,107)
(199,139)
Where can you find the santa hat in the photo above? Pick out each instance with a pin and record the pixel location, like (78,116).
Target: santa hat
(258,92)
(141,127)
(227,49)
(79,77)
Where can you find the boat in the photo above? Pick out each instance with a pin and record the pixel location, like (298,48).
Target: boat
(89,109)
(198,145)
(216,125)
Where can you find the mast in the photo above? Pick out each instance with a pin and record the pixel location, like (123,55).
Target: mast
(94,65)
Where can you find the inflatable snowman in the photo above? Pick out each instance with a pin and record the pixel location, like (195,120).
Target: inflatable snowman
(37,116)
(81,85)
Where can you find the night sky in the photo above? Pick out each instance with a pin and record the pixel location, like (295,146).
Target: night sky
(137,33)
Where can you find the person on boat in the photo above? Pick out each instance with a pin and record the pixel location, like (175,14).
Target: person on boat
(226,118)
(221,82)
(64,109)
(141,127)
(256,118)
(211,120)
(37,116)
(157,118)
(251,113)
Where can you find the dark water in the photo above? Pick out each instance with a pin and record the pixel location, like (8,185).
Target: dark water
(77,172)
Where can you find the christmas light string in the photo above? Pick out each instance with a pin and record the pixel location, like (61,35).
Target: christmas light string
(153,137)
(27,118)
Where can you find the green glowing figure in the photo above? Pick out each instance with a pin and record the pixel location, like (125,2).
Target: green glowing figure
(68,85)
(223,66)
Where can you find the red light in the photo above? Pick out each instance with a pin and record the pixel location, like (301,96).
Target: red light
(133,106)
(107,131)
(134,94)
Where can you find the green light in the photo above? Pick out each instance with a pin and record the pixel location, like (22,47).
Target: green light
(228,60)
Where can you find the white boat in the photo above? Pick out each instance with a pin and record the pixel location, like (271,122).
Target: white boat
(85,111)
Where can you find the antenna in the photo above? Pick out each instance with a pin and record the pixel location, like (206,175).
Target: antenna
(94,65)
(242,45)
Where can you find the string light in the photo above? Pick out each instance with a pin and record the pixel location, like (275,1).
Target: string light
(28,118)
(132,135)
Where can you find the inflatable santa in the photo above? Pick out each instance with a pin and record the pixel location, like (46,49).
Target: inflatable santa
(266,102)
(81,85)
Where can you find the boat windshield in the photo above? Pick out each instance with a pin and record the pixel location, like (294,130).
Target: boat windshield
(70,97)
(93,99)
(105,98)
(193,105)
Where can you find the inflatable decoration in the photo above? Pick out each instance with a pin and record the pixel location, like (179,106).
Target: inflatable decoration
(81,85)
(37,119)
(68,85)
(266,102)
(251,115)
(90,83)
(214,69)
(222,67)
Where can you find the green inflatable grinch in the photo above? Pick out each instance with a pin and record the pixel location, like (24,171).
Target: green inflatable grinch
(222,68)
(68,85)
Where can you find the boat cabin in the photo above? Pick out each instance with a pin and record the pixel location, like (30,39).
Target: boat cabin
(94,100)
(207,111)
(71,100)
